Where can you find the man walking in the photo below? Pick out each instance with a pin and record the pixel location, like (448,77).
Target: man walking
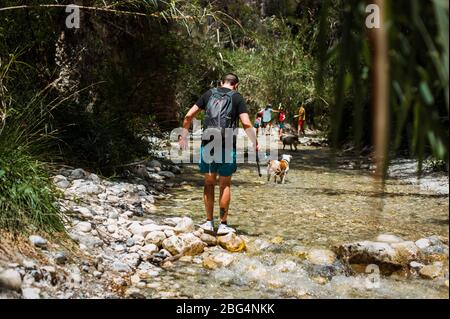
(223,107)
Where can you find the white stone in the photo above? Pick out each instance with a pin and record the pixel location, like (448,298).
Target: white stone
(84,227)
(112,228)
(10,279)
(31,293)
(38,241)
(423,243)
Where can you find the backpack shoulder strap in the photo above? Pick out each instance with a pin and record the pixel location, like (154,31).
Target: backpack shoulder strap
(231,93)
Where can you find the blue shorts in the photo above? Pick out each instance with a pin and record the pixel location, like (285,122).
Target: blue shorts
(281,125)
(223,169)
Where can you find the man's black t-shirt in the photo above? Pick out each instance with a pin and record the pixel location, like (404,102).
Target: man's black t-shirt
(238,107)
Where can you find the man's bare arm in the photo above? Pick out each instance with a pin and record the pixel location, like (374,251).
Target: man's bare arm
(248,127)
(191,114)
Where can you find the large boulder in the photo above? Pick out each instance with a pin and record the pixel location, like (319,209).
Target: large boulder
(231,242)
(186,244)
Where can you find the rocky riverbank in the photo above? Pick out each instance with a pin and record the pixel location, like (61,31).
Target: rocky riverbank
(117,249)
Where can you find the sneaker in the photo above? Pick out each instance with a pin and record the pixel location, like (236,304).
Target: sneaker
(224,229)
(207,226)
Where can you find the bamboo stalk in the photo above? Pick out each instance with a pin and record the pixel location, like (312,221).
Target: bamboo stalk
(380,100)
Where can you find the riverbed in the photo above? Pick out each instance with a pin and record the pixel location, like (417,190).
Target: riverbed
(325,202)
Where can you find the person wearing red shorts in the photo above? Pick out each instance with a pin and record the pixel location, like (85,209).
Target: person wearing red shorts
(301,120)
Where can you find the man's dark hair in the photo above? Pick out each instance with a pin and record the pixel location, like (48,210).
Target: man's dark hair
(230,78)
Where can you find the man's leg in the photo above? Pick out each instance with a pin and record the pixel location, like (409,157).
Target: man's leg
(208,195)
(225,197)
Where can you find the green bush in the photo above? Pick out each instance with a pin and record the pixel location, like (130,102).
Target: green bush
(27,195)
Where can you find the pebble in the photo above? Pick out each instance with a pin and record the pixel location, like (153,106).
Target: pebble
(84,227)
(121,267)
(10,279)
(112,228)
(60,258)
(38,241)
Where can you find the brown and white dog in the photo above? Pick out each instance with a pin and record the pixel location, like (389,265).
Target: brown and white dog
(277,168)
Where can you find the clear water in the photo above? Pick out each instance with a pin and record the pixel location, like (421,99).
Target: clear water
(319,206)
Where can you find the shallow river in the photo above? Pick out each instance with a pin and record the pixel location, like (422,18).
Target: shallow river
(320,205)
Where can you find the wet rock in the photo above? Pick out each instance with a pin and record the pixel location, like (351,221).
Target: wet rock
(231,242)
(322,257)
(31,293)
(84,227)
(38,241)
(388,238)
(431,271)
(167,174)
(223,259)
(185,225)
(208,239)
(155,238)
(60,258)
(10,279)
(367,252)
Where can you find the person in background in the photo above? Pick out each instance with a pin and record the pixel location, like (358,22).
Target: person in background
(281,121)
(301,119)
(257,124)
(267,119)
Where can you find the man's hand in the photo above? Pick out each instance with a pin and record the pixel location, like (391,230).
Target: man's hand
(183,139)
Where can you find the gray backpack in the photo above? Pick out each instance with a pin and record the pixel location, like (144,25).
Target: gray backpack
(218,110)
